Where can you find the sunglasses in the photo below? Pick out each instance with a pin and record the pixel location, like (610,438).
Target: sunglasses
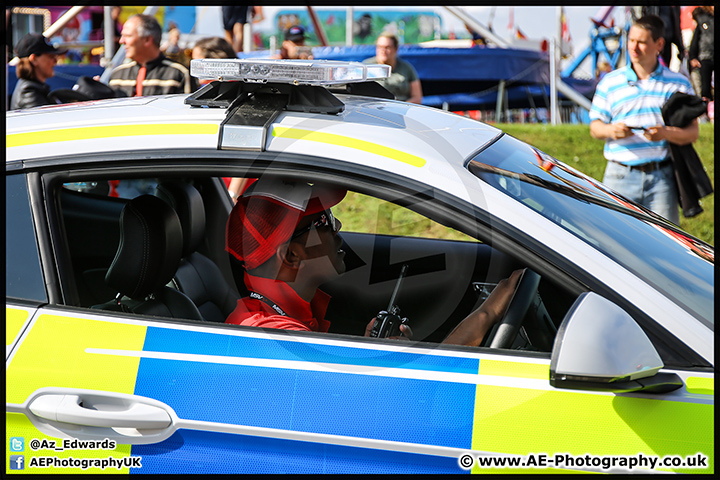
(327,219)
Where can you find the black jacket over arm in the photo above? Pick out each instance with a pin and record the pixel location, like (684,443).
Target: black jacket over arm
(30,93)
(692,181)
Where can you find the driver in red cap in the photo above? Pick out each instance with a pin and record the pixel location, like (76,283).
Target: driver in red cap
(285,234)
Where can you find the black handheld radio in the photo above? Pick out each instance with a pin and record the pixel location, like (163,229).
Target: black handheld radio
(387,323)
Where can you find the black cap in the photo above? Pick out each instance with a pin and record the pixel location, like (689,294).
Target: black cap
(295,33)
(37,44)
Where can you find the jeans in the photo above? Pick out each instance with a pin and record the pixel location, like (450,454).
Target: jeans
(655,190)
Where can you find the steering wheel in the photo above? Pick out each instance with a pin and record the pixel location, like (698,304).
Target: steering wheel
(524,294)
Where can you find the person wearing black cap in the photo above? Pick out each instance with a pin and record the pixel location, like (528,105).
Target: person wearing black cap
(36,63)
(293,46)
(287,239)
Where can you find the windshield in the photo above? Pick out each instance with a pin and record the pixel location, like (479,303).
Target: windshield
(676,264)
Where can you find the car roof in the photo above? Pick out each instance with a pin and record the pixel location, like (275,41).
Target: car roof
(412,140)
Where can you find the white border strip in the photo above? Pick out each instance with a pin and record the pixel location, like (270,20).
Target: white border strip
(380,345)
(680,395)
(406,373)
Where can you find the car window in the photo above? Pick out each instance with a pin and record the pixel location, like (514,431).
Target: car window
(365,214)
(449,274)
(23,273)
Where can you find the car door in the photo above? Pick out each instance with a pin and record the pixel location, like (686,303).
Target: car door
(158,397)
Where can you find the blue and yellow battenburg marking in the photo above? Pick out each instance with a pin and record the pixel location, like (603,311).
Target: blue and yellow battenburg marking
(325,389)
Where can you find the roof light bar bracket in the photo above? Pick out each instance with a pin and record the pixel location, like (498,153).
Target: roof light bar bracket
(248,120)
(301,98)
(310,99)
(216,95)
(366,89)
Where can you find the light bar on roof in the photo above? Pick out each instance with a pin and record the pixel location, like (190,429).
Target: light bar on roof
(297,72)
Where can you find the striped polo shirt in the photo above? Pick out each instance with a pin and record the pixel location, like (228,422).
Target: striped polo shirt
(621,98)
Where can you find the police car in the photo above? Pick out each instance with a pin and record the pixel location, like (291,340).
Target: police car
(604,360)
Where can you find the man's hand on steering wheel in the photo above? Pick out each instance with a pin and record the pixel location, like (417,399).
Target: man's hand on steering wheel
(499,299)
(475,326)
(518,308)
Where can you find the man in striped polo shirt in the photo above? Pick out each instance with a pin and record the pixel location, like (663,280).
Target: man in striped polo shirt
(149,72)
(626,112)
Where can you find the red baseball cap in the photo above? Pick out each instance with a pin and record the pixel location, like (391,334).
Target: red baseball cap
(268,213)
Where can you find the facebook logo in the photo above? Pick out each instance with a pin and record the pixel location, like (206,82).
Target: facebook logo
(17,462)
(17,444)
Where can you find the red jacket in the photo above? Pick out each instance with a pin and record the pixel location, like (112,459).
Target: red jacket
(299,314)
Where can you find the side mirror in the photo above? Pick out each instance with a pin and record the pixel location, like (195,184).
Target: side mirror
(600,347)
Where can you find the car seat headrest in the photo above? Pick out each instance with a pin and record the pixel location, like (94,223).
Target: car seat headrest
(189,206)
(150,247)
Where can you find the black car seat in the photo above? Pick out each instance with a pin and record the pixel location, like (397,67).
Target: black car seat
(197,276)
(147,257)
